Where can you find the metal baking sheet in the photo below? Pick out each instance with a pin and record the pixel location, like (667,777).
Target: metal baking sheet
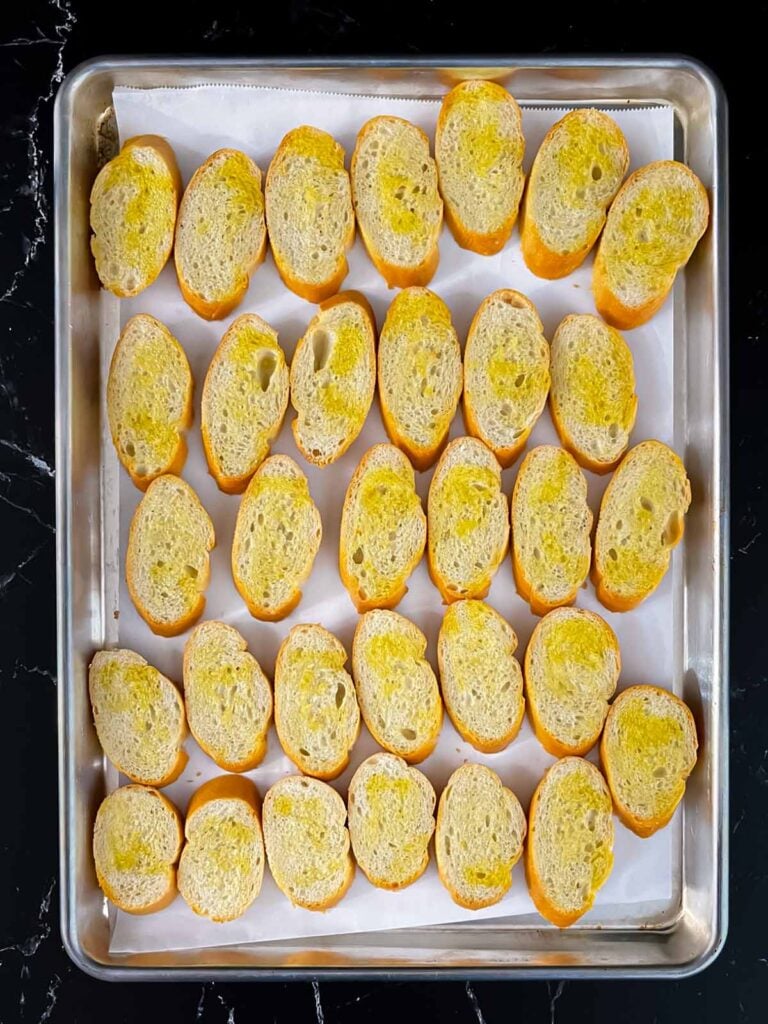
(679,943)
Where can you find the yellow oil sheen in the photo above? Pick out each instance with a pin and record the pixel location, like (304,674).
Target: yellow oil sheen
(581,797)
(465,498)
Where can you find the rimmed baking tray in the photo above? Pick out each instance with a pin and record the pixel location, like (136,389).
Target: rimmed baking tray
(680,944)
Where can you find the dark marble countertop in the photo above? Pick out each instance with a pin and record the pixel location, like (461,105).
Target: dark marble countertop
(39,43)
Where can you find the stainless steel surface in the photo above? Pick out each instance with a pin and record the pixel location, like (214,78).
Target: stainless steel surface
(675,946)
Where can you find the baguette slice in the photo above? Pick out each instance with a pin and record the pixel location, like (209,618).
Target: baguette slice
(653,227)
(479,149)
(309,213)
(419,374)
(479,839)
(137,840)
(316,712)
(577,172)
(648,750)
(245,396)
(592,399)
(222,863)
(383,529)
(221,236)
(480,677)
(467,520)
(396,687)
(307,842)
(551,526)
(399,209)
(391,820)
(506,373)
(333,378)
(572,665)
(167,563)
(149,400)
(139,717)
(569,854)
(277,535)
(641,520)
(227,696)
(134,200)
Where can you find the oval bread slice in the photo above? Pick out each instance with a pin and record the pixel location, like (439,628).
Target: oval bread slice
(467,520)
(648,750)
(506,373)
(383,529)
(134,200)
(137,840)
(592,398)
(653,227)
(309,213)
(222,863)
(479,149)
(396,687)
(572,665)
(149,400)
(479,838)
(575,175)
(419,374)
(245,396)
(333,378)
(569,854)
(641,520)
(316,712)
(221,236)
(227,697)
(391,820)
(167,563)
(551,526)
(139,717)
(277,535)
(480,677)
(399,209)
(307,842)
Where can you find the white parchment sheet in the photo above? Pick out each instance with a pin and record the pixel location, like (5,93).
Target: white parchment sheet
(198,121)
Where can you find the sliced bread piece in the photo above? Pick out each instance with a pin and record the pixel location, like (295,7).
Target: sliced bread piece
(648,750)
(480,677)
(572,665)
(309,213)
(316,712)
(383,529)
(167,562)
(479,838)
(139,717)
(641,520)
(149,400)
(227,696)
(277,535)
(569,854)
(653,227)
(506,373)
(551,526)
(592,398)
(479,149)
(419,374)
(467,520)
(399,209)
(577,171)
(134,200)
(391,820)
(245,396)
(137,840)
(396,687)
(333,378)
(307,842)
(221,236)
